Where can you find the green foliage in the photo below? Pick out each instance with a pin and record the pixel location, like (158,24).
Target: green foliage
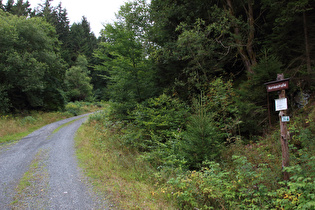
(76,108)
(302,129)
(130,74)
(206,47)
(161,114)
(202,140)
(81,40)
(28,120)
(159,127)
(100,116)
(156,120)
(5,101)
(30,66)
(73,108)
(20,8)
(248,186)
(78,81)
(252,100)
(220,100)
(299,192)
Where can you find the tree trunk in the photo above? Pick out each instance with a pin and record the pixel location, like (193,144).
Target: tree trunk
(307,46)
(248,55)
(251,33)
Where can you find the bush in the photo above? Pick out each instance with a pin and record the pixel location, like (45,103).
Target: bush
(202,141)
(299,192)
(73,108)
(120,111)
(158,118)
(246,187)
(252,94)
(155,130)
(220,102)
(5,101)
(28,120)
(99,116)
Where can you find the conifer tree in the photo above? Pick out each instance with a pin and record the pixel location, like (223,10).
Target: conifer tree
(21,8)
(82,40)
(1,5)
(9,6)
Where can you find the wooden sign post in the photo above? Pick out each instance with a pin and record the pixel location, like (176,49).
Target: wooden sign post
(281,105)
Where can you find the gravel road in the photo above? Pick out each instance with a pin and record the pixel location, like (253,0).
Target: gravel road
(41,171)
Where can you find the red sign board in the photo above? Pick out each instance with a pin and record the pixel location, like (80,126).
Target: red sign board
(277,85)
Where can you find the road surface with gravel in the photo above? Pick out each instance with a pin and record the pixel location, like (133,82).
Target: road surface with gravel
(41,171)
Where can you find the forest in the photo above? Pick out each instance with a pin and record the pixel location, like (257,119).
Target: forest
(185,83)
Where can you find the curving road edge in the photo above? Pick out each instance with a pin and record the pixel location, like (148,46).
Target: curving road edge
(41,171)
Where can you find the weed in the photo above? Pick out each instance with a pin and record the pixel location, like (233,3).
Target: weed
(116,170)
(33,182)
(16,127)
(28,120)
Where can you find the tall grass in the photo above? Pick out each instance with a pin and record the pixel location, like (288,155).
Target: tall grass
(117,171)
(248,176)
(15,127)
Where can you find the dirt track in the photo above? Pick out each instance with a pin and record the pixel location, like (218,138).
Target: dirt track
(41,171)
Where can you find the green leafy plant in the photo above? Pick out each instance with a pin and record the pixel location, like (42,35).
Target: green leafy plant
(78,81)
(28,120)
(160,117)
(202,140)
(73,108)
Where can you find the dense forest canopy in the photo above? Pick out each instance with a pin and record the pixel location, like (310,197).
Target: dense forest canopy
(185,80)
(179,48)
(37,48)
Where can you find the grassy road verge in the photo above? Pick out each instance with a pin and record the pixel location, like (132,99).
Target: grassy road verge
(116,171)
(15,127)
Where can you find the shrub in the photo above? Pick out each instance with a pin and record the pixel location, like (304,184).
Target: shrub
(202,140)
(220,100)
(246,187)
(158,118)
(73,108)
(5,102)
(99,116)
(28,120)
(299,192)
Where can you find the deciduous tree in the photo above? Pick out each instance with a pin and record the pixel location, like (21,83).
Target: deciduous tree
(31,70)
(78,81)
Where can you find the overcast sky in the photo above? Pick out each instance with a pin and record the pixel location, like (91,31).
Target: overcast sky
(97,12)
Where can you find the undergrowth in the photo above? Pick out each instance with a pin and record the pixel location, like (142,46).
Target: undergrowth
(243,176)
(16,126)
(117,171)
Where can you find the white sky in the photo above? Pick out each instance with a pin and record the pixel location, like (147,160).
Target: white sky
(97,12)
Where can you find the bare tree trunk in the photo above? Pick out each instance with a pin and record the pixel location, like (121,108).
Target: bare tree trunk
(251,33)
(248,55)
(307,46)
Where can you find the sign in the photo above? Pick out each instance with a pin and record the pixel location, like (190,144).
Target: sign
(285,119)
(281,104)
(277,85)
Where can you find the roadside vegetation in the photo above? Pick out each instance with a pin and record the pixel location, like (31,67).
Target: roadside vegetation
(116,171)
(32,183)
(16,126)
(157,174)
(190,124)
